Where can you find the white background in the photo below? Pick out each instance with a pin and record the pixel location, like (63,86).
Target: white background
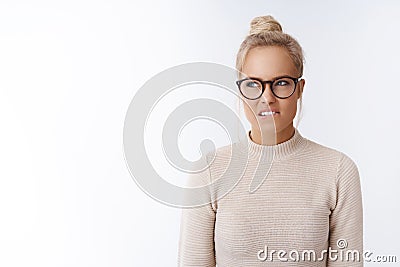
(69,69)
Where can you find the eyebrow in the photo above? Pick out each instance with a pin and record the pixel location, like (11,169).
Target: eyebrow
(273,78)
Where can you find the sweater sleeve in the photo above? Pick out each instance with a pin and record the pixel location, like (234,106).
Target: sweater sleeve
(346,219)
(196,241)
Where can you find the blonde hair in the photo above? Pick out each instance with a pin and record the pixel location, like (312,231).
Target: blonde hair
(266,31)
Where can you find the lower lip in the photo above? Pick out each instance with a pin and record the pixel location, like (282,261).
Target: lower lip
(268,116)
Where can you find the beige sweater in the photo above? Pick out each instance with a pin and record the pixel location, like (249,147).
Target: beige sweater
(310,201)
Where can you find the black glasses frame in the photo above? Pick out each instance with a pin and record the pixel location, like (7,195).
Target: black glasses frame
(295,80)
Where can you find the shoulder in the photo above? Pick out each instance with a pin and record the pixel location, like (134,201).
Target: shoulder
(226,160)
(222,154)
(343,163)
(322,150)
(325,152)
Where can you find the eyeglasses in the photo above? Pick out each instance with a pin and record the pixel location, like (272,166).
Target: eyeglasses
(282,87)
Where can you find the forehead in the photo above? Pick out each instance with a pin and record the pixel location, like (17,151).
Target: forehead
(268,62)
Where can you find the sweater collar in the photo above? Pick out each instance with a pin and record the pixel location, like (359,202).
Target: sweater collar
(278,151)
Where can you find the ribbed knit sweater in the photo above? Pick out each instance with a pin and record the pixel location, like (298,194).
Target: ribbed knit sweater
(309,201)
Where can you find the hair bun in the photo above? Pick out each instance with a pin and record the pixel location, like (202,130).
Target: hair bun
(263,24)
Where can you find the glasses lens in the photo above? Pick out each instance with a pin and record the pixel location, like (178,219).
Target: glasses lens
(283,87)
(251,88)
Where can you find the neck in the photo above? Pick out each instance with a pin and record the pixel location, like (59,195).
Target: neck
(270,138)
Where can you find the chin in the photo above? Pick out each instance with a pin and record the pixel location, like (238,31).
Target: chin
(265,126)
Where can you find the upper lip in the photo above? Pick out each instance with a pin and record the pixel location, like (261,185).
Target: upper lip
(268,110)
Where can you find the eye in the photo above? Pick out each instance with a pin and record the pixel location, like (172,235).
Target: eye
(252,84)
(282,83)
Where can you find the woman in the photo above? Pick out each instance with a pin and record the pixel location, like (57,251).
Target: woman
(308,209)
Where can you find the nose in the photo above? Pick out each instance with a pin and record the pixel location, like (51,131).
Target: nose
(268,96)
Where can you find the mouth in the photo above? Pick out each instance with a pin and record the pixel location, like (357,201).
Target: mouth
(267,113)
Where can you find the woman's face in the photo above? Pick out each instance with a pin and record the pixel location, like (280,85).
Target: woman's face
(267,63)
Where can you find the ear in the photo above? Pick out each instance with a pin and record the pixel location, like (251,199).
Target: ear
(302,82)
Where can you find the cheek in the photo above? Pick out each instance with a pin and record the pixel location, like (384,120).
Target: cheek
(249,110)
(289,107)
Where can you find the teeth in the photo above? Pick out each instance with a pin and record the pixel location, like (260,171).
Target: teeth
(266,113)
